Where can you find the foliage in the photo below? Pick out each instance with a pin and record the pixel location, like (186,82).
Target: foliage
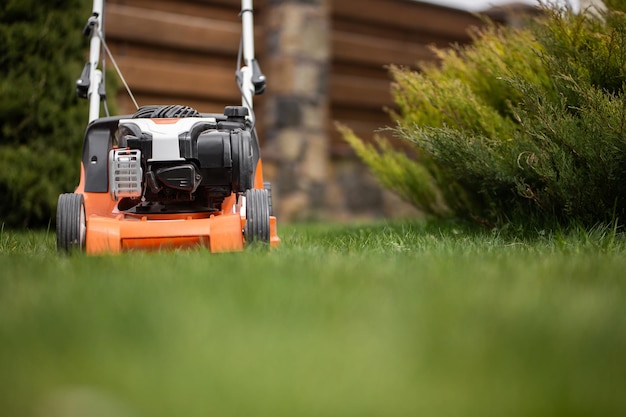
(523,125)
(42,52)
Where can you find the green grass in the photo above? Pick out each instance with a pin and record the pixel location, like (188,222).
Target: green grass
(402,319)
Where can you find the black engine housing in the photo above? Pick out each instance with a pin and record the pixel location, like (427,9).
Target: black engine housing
(218,158)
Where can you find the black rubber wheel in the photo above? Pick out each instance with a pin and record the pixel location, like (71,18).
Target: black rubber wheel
(71,225)
(257,228)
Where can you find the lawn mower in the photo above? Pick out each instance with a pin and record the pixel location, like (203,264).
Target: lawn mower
(168,176)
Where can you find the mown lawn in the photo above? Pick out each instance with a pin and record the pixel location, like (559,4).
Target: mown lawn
(401,319)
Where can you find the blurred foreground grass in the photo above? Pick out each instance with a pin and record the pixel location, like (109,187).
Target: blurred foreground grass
(372,320)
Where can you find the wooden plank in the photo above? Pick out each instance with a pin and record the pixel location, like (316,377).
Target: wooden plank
(368,50)
(407,14)
(393,33)
(171,30)
(178,79)
(379,116)
(360,92)
(224,10)
(207,60)
(350,69)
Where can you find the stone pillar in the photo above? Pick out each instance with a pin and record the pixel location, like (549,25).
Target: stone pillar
(296,150)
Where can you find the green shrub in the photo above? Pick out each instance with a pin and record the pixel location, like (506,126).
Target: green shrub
(524,125)
(42,52)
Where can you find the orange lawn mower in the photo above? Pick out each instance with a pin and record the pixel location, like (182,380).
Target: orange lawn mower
(168,176)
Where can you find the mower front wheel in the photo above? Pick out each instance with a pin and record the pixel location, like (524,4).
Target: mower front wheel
(257,228)
(71,225)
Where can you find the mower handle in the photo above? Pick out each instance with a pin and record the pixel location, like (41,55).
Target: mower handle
(92,76)
(250,78)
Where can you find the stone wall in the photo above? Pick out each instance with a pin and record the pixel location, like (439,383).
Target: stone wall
(296,147)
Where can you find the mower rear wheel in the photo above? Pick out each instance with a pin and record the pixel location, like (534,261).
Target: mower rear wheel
(71,224)
(257,228)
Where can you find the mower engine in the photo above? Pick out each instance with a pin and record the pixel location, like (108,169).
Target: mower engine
(191,163)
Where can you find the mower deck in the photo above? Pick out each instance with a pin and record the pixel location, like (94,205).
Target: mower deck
(219,233)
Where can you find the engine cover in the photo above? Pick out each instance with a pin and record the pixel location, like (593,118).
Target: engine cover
(231,150)
(198,160)
(180,177)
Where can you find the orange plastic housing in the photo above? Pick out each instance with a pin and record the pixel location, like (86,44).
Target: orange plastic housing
(110,231)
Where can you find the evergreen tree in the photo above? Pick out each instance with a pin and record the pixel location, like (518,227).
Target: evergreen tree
(42,52)
(525,125)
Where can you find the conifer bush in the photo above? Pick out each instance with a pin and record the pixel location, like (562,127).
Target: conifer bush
(42,52)
(525,124)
